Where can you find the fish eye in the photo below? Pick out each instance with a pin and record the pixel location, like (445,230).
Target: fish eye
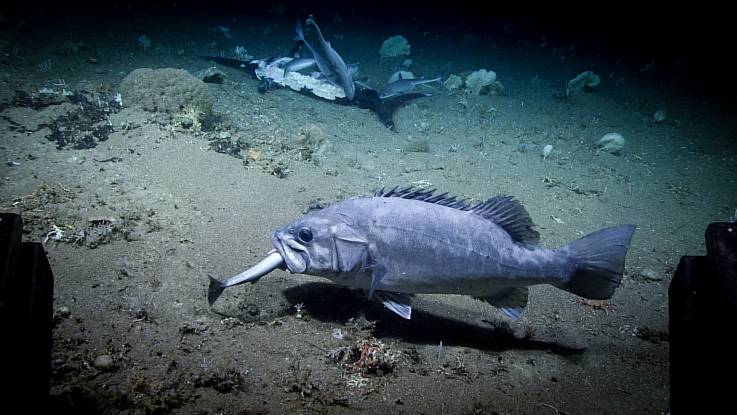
(304,235)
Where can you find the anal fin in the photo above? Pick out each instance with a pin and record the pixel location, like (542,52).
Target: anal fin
(399,303)
(511,301)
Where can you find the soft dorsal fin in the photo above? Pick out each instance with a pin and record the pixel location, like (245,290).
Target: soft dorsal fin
(504,211)
(511,216)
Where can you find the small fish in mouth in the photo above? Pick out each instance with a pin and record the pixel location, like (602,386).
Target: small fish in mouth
(407,241)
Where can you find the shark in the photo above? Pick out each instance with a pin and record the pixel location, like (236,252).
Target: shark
(403,86)
(329,62)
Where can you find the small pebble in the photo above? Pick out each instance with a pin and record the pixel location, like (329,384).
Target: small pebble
(63,312)
(547,150)
(651,275)
(659,116)
(338,334)
(104,362)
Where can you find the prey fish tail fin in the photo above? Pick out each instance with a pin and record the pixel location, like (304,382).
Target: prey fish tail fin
(599,262)
(216,288)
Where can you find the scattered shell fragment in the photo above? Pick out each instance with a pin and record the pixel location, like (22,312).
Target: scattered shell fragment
(104,362)
(255,154)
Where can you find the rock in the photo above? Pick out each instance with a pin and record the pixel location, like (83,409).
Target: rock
(104,362)
(659,116)
(212,75)
(400,74)
(611,143)
(63,312)
(416,145)
(651,275)
(547,150)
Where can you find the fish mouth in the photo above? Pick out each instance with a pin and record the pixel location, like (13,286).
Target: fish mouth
(293,253)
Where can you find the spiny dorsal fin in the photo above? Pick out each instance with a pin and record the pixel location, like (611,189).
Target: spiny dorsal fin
(506,212)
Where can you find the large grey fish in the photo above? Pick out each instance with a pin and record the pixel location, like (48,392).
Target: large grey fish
(330,63)
(402,86)
(405,241)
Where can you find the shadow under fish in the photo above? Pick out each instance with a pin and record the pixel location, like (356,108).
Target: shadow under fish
(427,328)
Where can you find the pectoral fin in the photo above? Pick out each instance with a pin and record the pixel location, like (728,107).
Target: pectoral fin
(396,302)
(351,249)
(510,301)
(377,273)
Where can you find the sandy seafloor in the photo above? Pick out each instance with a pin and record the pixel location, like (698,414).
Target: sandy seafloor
(173,211)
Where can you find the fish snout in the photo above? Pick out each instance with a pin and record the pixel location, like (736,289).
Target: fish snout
(294,254)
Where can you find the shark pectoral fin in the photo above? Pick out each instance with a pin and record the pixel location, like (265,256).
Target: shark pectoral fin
(396,302)
(511,301)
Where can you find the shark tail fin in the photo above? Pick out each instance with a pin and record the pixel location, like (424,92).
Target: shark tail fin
(599,259)
(216,288)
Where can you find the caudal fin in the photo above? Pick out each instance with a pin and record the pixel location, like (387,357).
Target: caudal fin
(599,259)
(216,288)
